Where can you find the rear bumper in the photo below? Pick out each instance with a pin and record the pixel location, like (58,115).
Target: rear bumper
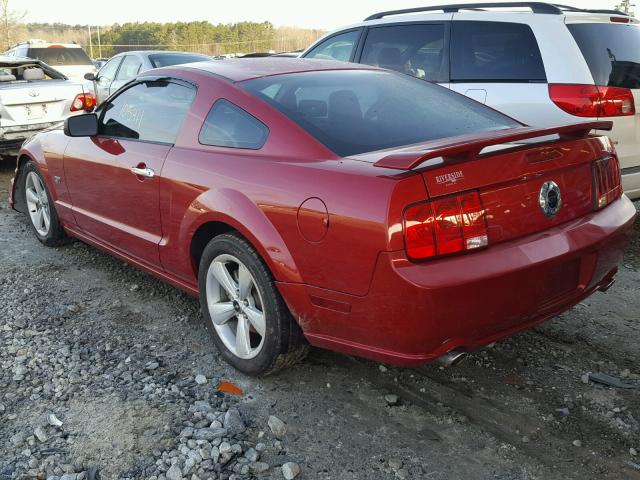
(417,312)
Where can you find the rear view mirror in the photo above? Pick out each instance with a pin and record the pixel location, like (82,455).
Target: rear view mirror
(90,76)
(81,125)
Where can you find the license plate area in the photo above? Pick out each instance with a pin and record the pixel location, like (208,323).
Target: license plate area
(35,112)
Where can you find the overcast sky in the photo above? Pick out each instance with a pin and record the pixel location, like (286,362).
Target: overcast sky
(323,14)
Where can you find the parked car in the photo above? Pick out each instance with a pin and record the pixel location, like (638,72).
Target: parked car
(34,97)
(364,210)
(68,58)
(542,63)
(126,66)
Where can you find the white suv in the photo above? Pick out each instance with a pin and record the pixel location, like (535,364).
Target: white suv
(541,63)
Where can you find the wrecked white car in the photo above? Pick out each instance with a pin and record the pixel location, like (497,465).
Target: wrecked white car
(35,97)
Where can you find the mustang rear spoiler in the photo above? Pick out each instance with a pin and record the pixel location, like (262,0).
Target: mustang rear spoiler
(468,147)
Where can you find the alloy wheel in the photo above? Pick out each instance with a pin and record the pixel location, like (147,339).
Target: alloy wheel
(235,306)
(38,204)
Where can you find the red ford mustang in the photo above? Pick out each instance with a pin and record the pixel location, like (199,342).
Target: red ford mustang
(357,209)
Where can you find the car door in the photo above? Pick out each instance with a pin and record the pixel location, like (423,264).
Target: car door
(128,70)
(113,178)
(104,78)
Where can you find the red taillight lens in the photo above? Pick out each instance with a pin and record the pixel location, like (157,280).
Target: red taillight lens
(444,226)
(616,102)
(606,181)
(83,101)
(593,101)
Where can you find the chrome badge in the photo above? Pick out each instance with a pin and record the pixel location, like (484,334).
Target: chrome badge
(33,93)
(550,199)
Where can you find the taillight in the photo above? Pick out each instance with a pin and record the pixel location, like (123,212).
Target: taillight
(606,181)
(593,101)
(444,226)
(83,101)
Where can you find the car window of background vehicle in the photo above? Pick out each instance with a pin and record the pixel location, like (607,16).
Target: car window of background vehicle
(148,111)
(60,56)
(339,47)
(167,59)
(229,126)
(360,111)
(495,52)
(611,51)
(108,72)
(416,50)
(130,68)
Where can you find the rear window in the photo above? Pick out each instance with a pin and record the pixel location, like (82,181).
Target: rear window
(60,56)
(495,52)
(612,52)
(358,111)
(167,59)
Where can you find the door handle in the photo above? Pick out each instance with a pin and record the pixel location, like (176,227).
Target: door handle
(143,172)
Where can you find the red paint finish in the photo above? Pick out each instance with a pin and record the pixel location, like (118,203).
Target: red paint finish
(330,229)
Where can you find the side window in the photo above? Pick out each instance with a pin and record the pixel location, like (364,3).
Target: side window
(229,126)
(495,52)
(339,47)
(130,68)
(149,111)
(108,71)
(417,50)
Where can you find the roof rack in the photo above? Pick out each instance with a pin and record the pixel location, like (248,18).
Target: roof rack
(568,8)
(536,7)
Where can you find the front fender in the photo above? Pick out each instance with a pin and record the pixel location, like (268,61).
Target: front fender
(31,151)
(238,211)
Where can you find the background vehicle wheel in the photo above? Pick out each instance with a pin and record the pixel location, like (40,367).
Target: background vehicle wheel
(40,208)
(244,312)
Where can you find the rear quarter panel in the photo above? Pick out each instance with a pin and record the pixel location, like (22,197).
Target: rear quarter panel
(260,193)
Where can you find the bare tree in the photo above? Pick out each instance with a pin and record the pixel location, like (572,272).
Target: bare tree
(9,19)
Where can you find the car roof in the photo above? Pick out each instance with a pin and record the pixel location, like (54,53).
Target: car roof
(240,69)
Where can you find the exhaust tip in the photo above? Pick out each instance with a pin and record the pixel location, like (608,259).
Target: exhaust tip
(452,358)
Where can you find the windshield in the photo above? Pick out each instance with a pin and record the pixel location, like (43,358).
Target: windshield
(612,52)
(167,59)
(60,56)
(358,111)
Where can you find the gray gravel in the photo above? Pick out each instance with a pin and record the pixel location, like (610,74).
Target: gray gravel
(108,373)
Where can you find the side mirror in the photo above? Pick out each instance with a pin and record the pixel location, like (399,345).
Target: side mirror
(85,125)
(90,76)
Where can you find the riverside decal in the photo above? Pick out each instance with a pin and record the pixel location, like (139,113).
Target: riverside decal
(451,177)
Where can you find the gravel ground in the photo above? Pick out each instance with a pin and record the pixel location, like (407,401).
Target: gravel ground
(108,373)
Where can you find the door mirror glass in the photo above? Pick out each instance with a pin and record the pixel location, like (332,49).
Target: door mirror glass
(90,76)
(81,125)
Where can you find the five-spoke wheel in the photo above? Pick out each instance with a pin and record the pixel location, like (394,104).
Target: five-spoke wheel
(235,306)
(248,319)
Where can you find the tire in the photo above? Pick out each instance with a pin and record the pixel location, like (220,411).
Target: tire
(51,235)
(282,343)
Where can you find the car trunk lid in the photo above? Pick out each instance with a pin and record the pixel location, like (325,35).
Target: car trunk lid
(24,103)
(510,169)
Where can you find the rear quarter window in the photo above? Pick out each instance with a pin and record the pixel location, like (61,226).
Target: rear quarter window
(612,52)
(495,52)
(227,125)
